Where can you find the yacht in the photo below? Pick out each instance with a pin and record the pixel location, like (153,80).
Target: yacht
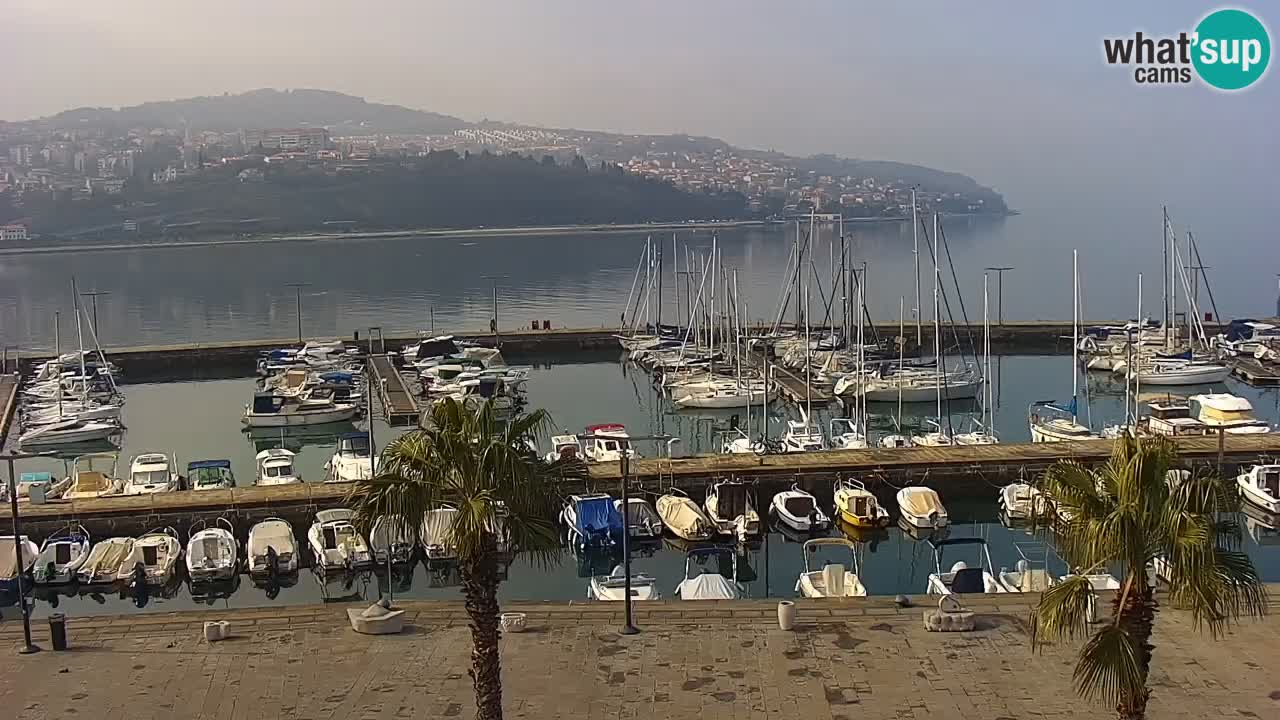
(352,461)
(269,410)
(1180,371)
(151,473)
(275,467)
(69,432)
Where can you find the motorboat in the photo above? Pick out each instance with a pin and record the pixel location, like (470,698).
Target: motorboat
(922,508)
(682,516)
(151,473)
(592,521)
(642,520)
(608,443)
(613,587)
(272,548)
(1260,485)
(1025,577)
(1051,423)
(9,570)
(210,475)
(213,552)
(1171,418)
(69,432)
(275,467)
(833,580)
(105,561)
(92,476)
(353,460)
(274,411)
(858,506)
(846,435)
(731,509)
(961,578)
(1021,501)
(702,583)
(802,436)
(1179,371)
(152,559)
(1232,413)
(391,537)
(798,510)
(564,447)
(61,556)
(335,543)
(896,441)
(436,535)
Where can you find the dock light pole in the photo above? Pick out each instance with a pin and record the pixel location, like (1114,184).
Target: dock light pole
(94,296)
(27,646)
(999,292)
(297,288)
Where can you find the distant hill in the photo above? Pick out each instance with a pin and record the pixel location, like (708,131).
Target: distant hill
(341,113)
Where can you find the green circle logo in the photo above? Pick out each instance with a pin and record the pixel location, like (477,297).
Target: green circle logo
(1232,49)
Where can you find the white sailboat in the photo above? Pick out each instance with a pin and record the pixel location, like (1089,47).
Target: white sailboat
(1048,421)
(985,432)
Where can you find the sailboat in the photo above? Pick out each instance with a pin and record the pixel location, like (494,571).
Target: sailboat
(985,433)
(938,437)
(1049,421)
(898,439)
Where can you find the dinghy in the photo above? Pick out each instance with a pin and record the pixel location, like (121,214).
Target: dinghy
(9,570)
(212,552)
(272,548)
(834,580)
(156,553)
(731,509)
(858,506)
(105,560)
(1260,485)
(61,556)
(702,583)
(642,519)
(798,510)
(682,516)
(612,587)
(335,543)
(275,467)
(592,521)
(962,578)
(922,508)
(437,534)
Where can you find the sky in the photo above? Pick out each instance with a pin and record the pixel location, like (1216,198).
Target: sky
(1015,94)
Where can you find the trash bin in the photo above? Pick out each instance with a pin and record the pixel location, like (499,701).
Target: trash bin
(58,631)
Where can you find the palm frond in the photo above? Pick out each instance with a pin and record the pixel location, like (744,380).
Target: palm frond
(1109,667)
(1063,610)
(1218,590)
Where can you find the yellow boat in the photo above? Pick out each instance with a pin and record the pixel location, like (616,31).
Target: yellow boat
(858,507)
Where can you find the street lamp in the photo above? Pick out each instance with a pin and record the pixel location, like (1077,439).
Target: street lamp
(999,292)
(94,295)
(297,287)
(27,647)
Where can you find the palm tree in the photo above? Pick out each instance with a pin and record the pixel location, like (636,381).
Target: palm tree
(1125,516)
(506,502)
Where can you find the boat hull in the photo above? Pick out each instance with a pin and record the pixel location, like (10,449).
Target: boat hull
(299,419)
(1251,494)
(1200,376)
(954,391)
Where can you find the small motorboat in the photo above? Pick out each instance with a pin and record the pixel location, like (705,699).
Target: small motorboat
(609,443)
(642,520)
(353,460)
(833,579)
(9,570)
(613,587)
(152,559)
(682,516)
(731,508)
(91,476)
(272,548)
(1020,501)
(389,536)
(1260,485)
(802,436)
(564,447)
(922,508)
(961,578)
(210,475)
(798,510)
(105,561)
(275,467)
(702,583)
(336,544)
(61,556)
(69,432)
(212,552)
(858,506)
(592,521)
(437,534)
(896,441)
(151,473)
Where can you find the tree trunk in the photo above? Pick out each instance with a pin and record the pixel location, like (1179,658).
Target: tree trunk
(480,587)
(1137,617)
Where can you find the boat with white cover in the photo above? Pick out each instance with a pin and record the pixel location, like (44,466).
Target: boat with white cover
(1223,410)
(704,583)
(731,508)
(682,516)
(9,570)
(798,510)
(151,473)
(643,521)
(353,460)
(858,506)
(436,535)
(833,579)
(1260,485)
(272,548)
(922,508)
(335,543)
(275,467)
(105,561)
(961,578)
(156,553)
(212,552)
(613,587)
(1020,501)
(390,535)
(62,555)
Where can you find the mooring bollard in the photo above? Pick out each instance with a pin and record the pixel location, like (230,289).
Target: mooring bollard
(58,631)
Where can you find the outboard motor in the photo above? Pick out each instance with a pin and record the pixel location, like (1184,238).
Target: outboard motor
(138,583)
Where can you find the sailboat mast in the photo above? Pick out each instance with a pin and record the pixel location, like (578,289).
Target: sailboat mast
(1137,360)
(937,321)
(75,303)
(799,262)
(675,274)
(808,363)
(915,257)
(1164,260)
(1075,330)
(57,356)
(902,345)
(1173,284)
(987,417)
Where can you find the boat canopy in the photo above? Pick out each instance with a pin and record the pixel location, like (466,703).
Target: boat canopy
(201,464)
(356,443)
(334,515)
(922,502)
(436,347)
(732,500)
(595,513)
(607,429)
(267,403)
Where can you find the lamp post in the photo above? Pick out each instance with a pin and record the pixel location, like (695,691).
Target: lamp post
(94,296)
(27,647)
(297,288)
(999,292)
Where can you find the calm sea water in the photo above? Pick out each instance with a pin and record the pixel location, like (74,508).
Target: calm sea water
(242,292)
(199,420)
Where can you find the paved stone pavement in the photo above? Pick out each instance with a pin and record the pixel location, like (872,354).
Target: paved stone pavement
(848,659)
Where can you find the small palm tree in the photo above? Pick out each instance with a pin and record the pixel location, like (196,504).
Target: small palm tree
(505,497)
(1126,516)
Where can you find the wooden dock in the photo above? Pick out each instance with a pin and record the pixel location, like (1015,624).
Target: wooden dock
(398,404)
(8,403)
(1255,372)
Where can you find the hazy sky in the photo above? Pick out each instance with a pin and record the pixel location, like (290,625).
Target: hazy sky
(1014,93)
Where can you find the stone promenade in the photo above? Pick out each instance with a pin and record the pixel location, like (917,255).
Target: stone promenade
(856,659)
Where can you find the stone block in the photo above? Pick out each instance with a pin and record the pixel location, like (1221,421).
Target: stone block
(942,621)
